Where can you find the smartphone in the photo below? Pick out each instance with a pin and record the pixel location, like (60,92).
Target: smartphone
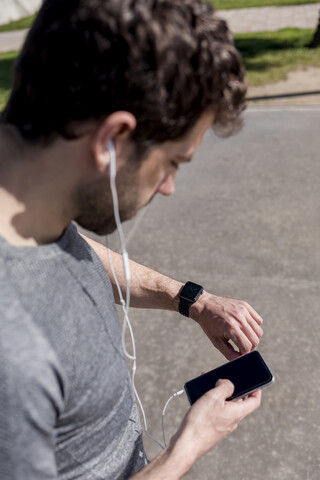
(248,373)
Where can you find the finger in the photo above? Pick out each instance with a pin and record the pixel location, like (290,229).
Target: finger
(249,404)
(250,333)
(241,399)
(241,341)
(255,315)
(224,388)
(227,349)
(238,400)
(249,327)
(257,329)
(257,394)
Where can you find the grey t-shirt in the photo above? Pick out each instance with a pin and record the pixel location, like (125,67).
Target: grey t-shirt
(66,404)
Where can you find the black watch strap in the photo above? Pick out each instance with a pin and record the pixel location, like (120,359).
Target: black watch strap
(188,295)
(184,307)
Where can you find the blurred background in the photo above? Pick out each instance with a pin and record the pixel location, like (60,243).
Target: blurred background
(244,223)
(278,39)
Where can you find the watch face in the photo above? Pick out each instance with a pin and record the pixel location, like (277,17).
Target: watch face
(191,291)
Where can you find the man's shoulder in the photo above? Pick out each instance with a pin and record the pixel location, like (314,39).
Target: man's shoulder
(10,305)
(25,352)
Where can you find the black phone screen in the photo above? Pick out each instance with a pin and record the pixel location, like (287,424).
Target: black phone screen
(248,373)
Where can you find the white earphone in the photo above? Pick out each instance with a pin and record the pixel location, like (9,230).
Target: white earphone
(126,303)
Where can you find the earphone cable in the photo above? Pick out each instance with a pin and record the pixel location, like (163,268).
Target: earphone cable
(126,268)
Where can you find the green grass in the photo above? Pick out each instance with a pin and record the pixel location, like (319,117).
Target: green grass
(269,56)
(6,67)
(18,24)
(218,4)
(227,4)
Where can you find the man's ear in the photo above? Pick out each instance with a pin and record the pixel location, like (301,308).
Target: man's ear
(116,127)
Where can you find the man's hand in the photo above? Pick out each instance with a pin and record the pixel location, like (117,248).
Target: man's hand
(211,419)
(207,422)
(223,319)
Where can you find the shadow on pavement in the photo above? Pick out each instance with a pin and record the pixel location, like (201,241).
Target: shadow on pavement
(283,95)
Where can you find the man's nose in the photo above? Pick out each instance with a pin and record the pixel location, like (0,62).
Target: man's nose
(168,185)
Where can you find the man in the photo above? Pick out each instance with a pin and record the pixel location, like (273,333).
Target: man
(151,76)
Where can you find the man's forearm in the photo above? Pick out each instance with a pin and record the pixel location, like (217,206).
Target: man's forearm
(148,288)
(222,319)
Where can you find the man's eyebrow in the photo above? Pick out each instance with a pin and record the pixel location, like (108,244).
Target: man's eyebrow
(184,159)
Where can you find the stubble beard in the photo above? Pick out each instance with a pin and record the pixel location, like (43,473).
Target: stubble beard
(94,205)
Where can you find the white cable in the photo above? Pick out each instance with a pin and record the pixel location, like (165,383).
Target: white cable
(124,309)
(126,304)
(180,392)
(125,257)
(131,357)
(126,269)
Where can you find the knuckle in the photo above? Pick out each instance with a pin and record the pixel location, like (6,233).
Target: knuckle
(240,309)
(230,322)
(246,347)
(234,427)
(228,383)
(260,332)
(210,396)
(243,306)
(246,342)
(234,329)
(241,319)
(207,396)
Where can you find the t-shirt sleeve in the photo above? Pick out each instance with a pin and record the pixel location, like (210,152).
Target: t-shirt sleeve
(31,397)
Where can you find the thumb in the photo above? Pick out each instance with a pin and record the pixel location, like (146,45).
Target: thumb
(224,388)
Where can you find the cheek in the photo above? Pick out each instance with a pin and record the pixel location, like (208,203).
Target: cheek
(151,179)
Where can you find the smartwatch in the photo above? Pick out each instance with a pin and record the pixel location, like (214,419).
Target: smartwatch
(188,295)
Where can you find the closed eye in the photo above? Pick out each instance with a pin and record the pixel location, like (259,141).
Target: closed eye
(175,164)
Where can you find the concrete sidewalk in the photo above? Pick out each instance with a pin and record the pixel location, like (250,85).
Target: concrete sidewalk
(271,18)
(240,20)
(12,40)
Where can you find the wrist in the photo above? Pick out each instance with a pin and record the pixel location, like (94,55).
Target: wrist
(197,308)
(189,295)
(170,464)
(181,457)
(175,300)
(168,291)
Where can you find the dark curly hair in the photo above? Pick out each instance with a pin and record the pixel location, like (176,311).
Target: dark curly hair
(165,61)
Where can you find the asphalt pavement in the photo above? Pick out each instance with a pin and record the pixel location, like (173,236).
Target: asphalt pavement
(244,223)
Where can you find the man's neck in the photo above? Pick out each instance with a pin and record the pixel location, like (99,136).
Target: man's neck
(35,187)
(23,224)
